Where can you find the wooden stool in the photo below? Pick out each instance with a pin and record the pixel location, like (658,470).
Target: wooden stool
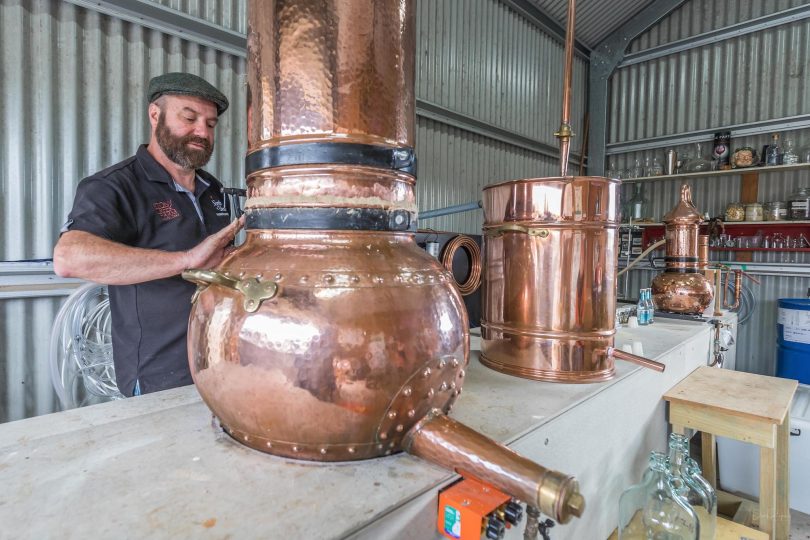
(750,408)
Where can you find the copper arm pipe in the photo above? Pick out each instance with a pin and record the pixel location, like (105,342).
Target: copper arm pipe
(452,445)
(737,289)
(640,360)
(565,133)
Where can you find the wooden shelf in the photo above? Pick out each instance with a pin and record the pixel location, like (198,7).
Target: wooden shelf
(709,174)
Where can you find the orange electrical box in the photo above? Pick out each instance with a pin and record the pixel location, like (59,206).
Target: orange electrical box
(470,509)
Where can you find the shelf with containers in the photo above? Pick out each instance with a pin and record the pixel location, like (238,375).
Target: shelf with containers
(784,235)
(786,232)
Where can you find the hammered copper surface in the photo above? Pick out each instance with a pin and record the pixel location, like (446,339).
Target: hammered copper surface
(331,70)
(337,187)
(682,288)
(364,337)
(548,292)
(443,441)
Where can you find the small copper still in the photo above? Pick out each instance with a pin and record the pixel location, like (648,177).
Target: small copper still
(329,335)
(682,287)
(549,282)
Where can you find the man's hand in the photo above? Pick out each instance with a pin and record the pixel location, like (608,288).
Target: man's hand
(213,249)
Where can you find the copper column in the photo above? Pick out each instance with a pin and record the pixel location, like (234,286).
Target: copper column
(329,335)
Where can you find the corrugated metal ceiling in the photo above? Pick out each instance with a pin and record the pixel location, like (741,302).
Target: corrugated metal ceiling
(596,19)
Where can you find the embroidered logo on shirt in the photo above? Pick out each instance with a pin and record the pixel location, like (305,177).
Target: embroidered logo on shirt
(219,206)
(165,210)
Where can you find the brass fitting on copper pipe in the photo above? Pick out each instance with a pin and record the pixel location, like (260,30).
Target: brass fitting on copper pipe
(452,445)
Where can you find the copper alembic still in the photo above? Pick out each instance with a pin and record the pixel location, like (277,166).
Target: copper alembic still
(329,335)
(682,287)
(549,281)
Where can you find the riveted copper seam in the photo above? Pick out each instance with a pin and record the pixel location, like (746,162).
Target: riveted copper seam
(442,440)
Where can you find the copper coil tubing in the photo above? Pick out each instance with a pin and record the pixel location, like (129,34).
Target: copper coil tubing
(472,283)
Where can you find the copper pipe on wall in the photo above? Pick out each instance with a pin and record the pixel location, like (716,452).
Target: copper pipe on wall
(565,133)
(737,290)
(443,441)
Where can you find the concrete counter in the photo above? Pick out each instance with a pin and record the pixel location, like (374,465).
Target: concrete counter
(158,466)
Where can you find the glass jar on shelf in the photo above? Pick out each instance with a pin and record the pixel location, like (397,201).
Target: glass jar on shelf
(735,212)
(753,212)
(655,508)
(800,204)
(699,163)
(789,156)
(775,211)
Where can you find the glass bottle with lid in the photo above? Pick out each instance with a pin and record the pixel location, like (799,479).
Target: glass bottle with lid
(800,204)
(702,501)
(773,154)
(654,508)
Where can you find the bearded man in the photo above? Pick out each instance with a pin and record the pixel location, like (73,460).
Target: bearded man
(137,225)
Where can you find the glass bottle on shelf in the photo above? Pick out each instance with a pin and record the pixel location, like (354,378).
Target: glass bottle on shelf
(612,171)
(642,312)
(657,169)
(699,163)
(773,154)
(799,204)
(789,157)
(702,501)
(654,508)
(635,209)
(650,306)
(638,169)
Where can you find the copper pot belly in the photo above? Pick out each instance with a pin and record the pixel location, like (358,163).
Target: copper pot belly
(361,340)
(549,280)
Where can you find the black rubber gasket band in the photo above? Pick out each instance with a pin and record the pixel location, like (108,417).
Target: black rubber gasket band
(367,155)
(336,219)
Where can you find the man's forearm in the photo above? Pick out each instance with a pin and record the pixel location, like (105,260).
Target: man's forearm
(79,254)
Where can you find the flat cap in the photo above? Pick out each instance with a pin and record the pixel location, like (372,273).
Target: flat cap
(186,84)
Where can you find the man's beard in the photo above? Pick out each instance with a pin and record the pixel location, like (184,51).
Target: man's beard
(176,148)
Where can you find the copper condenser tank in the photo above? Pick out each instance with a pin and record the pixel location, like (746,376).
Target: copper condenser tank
(549,282)
(329,335)
(549,293)
(682,287)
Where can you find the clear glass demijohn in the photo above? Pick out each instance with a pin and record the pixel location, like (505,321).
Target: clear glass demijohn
(655,509)
(635,209)
(695,489)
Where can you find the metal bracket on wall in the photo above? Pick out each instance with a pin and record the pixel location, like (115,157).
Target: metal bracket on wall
(605,57)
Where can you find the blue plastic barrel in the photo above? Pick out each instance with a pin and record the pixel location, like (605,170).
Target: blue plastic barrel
(793,329)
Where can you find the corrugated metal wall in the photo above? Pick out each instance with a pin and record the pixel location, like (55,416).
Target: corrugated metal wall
(481,59)
(754,77)
(72,85)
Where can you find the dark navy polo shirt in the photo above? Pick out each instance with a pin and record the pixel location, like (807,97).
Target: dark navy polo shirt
(136,203)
